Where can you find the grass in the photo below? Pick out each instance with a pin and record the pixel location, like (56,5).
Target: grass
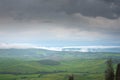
(82,69)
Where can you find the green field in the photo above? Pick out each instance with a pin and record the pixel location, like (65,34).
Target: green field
(84,66)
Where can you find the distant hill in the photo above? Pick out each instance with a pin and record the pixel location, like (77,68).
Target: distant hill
(66,53)
(116,49)
(33,48)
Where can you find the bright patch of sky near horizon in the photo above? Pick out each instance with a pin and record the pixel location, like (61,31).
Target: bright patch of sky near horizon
(60,22)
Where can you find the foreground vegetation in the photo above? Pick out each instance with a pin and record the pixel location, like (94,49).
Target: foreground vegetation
(84,66)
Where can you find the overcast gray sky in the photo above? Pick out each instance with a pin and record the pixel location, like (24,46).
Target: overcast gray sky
(60,22)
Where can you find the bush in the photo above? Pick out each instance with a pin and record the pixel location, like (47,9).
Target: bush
(49,62)
(71,77)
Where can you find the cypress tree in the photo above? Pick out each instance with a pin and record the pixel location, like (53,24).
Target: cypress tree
(118,72)
(109,73)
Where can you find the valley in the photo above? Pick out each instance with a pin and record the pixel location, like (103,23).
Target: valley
(40,64)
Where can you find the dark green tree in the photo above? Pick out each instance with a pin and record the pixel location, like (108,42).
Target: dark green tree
(118,72)
(71,77)
(109,73)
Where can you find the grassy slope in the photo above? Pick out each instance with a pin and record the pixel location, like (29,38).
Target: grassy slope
(83,69)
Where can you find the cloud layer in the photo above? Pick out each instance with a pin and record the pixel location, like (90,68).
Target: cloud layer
(60,20)
(26,9)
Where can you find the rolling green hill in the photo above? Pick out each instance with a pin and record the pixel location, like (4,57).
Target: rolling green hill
(38,64)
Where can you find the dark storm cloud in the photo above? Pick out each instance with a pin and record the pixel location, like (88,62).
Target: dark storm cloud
(93,8)
(25,20)
(117,2)
(29,9)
